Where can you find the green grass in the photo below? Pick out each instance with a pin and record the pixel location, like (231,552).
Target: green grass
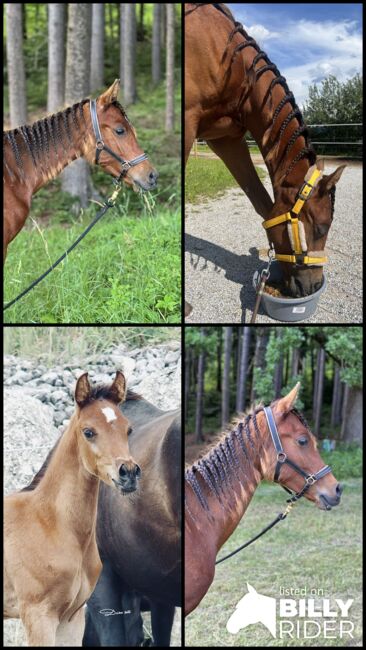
(311,548)
(206,178)
(204,148)
(126,270)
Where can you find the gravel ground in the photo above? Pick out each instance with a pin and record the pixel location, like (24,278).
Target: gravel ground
(222,238)
(36,394)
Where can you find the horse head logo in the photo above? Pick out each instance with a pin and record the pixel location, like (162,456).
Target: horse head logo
(253,608)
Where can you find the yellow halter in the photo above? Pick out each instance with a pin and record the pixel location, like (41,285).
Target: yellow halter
(296,229)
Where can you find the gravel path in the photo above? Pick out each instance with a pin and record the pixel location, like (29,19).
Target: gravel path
(222,238)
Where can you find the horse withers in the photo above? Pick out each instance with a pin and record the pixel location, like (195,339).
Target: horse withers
(51,559)
(139,537)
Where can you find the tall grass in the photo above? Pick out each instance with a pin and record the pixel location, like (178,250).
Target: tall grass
(127,270)
(60,344)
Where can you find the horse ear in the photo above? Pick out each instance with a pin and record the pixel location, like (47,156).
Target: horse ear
(251,589)
(286,403)
(118,388)
(110,95)
(83,389)
(327,182)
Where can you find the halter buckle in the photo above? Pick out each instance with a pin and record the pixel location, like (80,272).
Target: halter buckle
(281,457)
(310,480)
(125,166)
(308,195)
(99,145)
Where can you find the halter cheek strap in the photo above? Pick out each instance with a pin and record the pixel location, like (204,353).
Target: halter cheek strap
(295,228)
(310,479)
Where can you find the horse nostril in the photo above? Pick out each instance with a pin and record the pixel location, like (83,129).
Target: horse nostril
(123,471)
(339,489)
(153,176)
(137,471)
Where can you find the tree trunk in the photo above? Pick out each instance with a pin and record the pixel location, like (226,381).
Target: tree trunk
(352,415)
(244,360)
(277,380)
(15,64)
(56,56)
(97,47)
(122,47)
(260,353)
(76,177)
(130,94)
(187,376)
(219,364)
(169,114)
(336,398)
(200,395)
(156,50)
(319,395)
(225,408)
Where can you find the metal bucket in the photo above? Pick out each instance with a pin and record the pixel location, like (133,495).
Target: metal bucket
(288,309)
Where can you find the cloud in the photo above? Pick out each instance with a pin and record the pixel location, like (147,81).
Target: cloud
(261,33)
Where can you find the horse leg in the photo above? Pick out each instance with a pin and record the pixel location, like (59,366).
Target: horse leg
(235,154)
(40,627)
(190,132)
(70,633)
(162,617)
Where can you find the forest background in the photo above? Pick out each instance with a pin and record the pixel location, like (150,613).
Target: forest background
(49,51)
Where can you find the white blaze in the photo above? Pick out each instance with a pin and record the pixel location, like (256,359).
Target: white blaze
(109,414)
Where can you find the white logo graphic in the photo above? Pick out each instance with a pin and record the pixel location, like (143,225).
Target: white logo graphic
(306,618)
(253,608)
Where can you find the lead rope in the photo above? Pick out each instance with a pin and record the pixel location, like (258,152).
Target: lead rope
(280,517)
(108,204)
(262,283)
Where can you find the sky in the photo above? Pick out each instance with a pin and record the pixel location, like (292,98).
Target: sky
(307,42)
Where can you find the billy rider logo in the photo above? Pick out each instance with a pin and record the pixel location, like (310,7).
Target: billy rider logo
(304,618)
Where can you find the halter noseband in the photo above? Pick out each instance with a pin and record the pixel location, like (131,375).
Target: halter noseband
(100,145)
(310,479)
(296,230)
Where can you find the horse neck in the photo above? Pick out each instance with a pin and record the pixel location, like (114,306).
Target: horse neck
(256,113)
(68,492)
(55,142)
(224,516)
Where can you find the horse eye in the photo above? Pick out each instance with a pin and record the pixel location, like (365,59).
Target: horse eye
(120,130)
(129,431)
(302,441)
(88,433)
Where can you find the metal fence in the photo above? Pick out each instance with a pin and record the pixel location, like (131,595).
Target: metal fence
(324,137)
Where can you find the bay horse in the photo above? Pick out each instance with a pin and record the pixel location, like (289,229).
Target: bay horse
(232,87)
(97,130)
(139,538)
(51,556)
(271,443)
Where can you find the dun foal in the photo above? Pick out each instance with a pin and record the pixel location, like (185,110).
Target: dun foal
(51,557)
(219,487)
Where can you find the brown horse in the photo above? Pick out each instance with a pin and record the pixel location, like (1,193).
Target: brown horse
(52,562)
(219,487)
(232,87)
(35,154)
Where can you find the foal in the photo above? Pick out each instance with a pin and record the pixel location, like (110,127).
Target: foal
(51,557)
(219,487)
(35,154)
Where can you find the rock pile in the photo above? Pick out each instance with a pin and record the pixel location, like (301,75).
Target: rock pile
(39,401)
